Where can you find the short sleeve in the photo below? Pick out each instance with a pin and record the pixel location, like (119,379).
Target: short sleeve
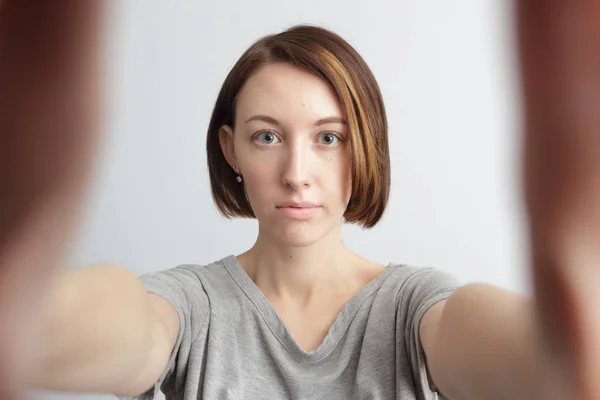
(421,290)
(183,289)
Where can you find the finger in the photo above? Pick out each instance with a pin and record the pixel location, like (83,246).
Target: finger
(560,67)
(49,99)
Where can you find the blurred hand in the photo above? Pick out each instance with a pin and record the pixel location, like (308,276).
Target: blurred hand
(49,114)
(560,63)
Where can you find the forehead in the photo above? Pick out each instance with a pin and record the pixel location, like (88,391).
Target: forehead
(283,90)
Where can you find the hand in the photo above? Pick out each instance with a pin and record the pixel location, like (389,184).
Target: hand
(49,96)
(560,68)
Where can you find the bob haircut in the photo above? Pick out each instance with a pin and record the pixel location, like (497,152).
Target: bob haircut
(329,57)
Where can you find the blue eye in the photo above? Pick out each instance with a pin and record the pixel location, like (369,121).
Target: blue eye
(329,139)
(267,138)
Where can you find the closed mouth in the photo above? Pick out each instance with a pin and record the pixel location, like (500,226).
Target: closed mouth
(298,205)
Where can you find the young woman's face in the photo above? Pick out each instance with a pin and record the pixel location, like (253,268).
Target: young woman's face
(291,147)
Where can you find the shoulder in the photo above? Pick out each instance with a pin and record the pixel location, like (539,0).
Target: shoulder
(190,284)
(192,274)
(407,276)
(417,288)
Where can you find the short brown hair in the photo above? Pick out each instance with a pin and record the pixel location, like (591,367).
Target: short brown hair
(328,56)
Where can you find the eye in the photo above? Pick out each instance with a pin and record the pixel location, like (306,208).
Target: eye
(267,137)
(329,138)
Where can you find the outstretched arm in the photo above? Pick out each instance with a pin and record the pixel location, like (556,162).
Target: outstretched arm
(484,342)
(560,63)
(49,96)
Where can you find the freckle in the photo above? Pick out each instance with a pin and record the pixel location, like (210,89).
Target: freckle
(290,256)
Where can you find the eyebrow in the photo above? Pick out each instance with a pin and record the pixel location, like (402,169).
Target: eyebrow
(273,121)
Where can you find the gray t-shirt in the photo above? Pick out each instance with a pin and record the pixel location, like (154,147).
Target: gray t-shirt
(233,345)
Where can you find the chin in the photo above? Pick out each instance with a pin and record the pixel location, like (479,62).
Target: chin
(297,241)
(300,235)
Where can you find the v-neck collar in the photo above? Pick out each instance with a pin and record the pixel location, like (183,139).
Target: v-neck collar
(277,325)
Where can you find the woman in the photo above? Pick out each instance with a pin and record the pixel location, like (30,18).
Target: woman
(298,141)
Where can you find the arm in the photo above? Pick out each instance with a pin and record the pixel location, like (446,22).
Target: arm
(560,74)
(480,343)
(99,331)
(49,84)
(485,342)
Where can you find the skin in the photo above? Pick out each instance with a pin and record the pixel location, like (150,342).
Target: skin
(560,79)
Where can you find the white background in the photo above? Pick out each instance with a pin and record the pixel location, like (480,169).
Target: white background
(448,78)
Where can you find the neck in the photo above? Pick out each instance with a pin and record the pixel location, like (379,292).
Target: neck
(285,271)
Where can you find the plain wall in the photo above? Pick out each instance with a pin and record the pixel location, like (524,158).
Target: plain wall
(447,74)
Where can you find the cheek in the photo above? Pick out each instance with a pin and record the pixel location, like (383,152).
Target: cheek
(348,185)
(341,175)
(347,178)
(259,186)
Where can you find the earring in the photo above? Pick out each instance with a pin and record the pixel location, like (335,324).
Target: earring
(239,177)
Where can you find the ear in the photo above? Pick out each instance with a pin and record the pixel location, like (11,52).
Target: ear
(226,141)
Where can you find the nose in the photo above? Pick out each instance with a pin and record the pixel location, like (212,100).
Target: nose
(296,172)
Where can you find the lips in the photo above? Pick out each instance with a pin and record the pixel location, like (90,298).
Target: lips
(301,210)
(294,204)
